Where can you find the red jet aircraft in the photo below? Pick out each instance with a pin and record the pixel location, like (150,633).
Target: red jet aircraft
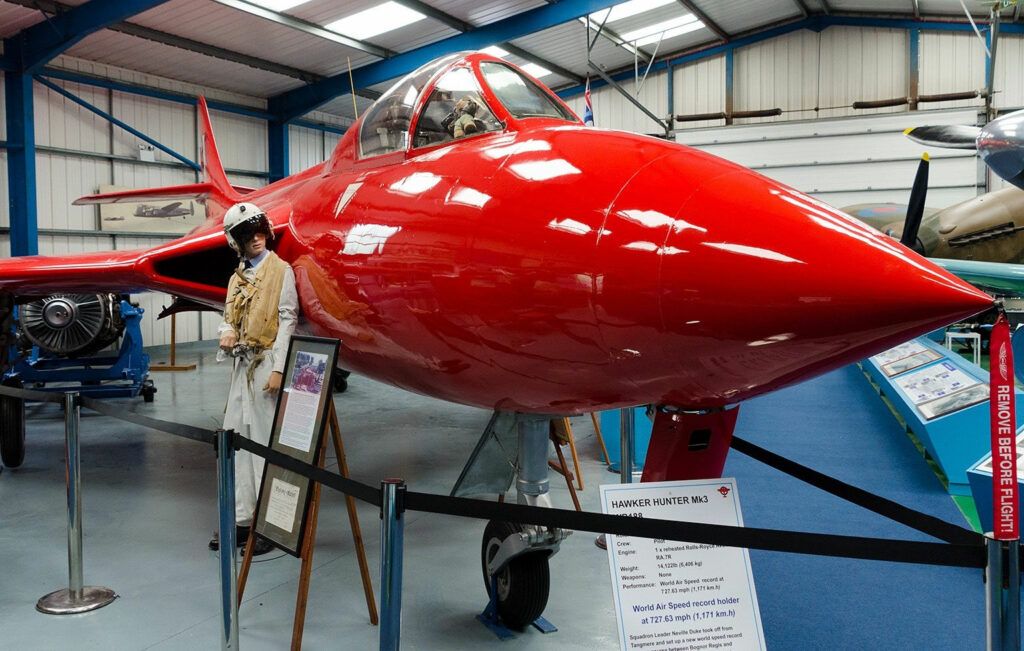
(536,265)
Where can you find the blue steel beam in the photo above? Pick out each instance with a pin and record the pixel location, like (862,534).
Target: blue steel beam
(180,98)
(21,164)
(110,118)
(277,149)
(34,46)
(294,103)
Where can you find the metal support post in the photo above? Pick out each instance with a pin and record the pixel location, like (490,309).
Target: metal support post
(228,562)
(76,598)
(1011,619)
(391,543)
(627,443)
(1002,595)
(532,481)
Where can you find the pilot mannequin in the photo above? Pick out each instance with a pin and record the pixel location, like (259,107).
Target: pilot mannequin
(259,319)
(462,120)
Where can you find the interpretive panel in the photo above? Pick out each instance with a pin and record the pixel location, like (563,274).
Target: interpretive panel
(298,432)
(941,389)
(907,356)
(679,595)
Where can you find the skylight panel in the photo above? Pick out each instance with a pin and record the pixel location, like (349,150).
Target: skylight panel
(279,5)
(665,29)
(375,21)
(495,51)
(535,70)
(627,9)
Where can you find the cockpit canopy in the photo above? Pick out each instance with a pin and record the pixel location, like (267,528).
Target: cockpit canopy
(465,100)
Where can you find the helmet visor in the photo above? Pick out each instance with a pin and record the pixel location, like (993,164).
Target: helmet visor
(244,231)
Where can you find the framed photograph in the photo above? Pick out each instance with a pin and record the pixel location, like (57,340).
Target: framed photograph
(298,431)
(905,364)
(151,215)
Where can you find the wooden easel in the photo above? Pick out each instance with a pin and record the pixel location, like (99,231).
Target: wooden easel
(310,538)
(172,366)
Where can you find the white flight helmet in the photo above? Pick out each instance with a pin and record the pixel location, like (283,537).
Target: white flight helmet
(242,221)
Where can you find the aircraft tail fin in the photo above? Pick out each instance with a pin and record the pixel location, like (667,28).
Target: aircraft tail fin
(223,193)
(215,189)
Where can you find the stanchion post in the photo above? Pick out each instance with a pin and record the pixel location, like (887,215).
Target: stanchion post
(994,595)
(627,442)
(77,597)
(391,542)
(228,563)
(1011,621)
(1002,595)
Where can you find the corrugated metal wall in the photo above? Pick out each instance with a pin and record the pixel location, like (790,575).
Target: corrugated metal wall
(827,71)
(78,151)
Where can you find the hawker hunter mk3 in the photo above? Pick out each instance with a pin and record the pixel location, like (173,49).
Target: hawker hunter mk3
(540,267)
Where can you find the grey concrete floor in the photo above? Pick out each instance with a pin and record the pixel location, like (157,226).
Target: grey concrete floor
(150,506)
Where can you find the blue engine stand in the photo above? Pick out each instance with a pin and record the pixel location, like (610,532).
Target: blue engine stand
(125,375)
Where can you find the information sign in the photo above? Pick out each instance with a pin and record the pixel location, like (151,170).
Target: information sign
(942,388)
(678,595)
(297,431)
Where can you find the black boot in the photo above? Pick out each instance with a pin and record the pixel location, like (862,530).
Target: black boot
(241,537)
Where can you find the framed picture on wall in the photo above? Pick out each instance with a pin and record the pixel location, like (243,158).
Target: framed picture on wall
(298,430)
(150,216)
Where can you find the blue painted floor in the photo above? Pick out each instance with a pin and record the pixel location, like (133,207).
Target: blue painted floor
(150,507)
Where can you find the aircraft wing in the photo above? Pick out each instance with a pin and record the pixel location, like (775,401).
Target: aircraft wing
(194,191)
(999,278)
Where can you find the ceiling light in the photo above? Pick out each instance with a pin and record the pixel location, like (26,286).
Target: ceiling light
(665,29)
(535,70)
(279,5)
(375,20)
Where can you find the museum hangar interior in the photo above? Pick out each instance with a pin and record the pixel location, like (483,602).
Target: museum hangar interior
(513,226)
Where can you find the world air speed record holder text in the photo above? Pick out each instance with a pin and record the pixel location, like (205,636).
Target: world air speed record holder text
(678,595)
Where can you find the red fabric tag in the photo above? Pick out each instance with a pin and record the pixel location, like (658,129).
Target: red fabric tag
(1005,500)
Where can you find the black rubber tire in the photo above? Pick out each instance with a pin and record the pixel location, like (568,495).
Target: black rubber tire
(339,380)
(523,584)
(147,393)
(12,429)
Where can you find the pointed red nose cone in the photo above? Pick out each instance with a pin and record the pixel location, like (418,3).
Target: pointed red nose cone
(762,286)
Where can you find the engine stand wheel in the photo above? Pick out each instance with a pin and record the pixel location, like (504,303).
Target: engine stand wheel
(523,584)
(147,391)
(12,428)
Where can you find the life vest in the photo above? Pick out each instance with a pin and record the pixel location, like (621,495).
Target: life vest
(252,304)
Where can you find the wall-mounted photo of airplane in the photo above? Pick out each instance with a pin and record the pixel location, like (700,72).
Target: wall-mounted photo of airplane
(173,209)
(538,267)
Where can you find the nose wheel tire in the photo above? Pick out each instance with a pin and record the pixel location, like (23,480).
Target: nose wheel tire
(12,428)
(523,584)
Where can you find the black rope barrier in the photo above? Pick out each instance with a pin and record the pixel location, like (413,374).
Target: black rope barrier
(345,485)
(26,394)
(177,429)
(880,549)
(923,522)
(962,548)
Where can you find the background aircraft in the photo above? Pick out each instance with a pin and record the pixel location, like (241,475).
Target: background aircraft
(1000,143)
(542,267)
(173,209)
(989,227)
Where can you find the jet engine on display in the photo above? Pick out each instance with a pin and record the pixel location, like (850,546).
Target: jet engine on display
(538,266)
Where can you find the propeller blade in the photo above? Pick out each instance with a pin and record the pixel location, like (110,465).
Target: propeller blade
(949,136)
(915,207)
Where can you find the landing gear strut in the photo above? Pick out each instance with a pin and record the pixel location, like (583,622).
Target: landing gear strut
(513,556)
